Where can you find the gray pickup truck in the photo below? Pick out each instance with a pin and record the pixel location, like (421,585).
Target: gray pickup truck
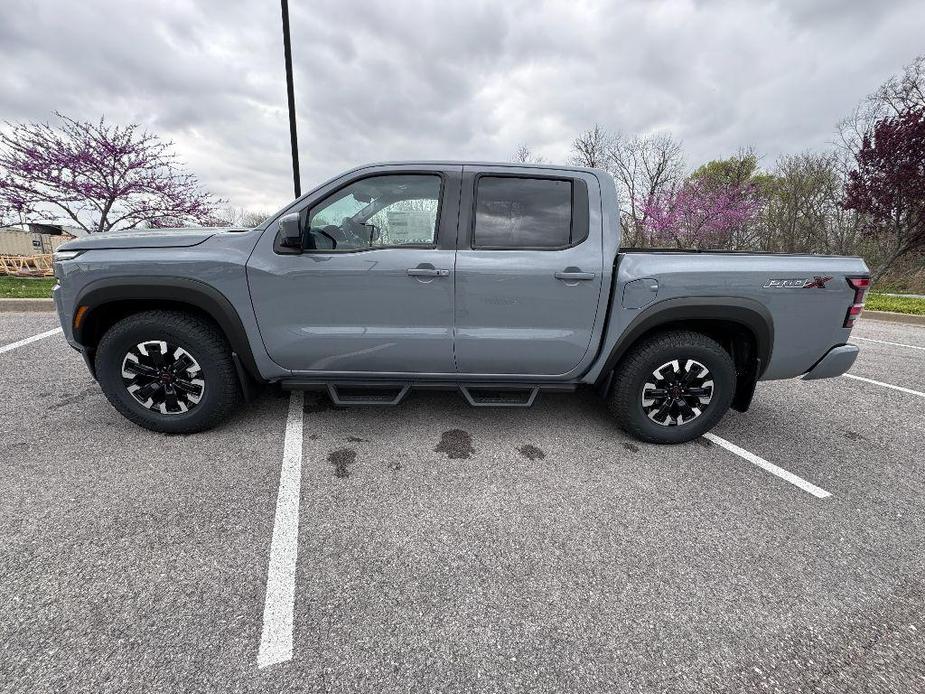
(498,280)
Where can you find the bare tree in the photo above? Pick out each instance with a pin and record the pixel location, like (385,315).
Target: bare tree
(904,92)
(645,168)
(592,148)
(804,211)
(895,96)
(239,217)
(524,155)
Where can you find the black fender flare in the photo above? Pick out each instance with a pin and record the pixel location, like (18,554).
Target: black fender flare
(176,290)
(748,313)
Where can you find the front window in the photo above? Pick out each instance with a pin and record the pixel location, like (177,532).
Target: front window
(377,212)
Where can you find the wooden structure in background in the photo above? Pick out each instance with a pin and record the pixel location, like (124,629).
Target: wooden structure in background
(26,265)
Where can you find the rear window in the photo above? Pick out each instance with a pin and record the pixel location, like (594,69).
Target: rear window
(522,213)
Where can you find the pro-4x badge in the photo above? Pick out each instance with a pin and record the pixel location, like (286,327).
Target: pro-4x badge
(798,283)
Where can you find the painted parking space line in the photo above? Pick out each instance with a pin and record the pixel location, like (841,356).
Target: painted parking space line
(276,636)
(808,487)
(887,342)
(886,385)
(29,340)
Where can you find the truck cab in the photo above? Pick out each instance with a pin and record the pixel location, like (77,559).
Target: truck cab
(443,270)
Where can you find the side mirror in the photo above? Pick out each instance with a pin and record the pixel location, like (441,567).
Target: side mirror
(289,236)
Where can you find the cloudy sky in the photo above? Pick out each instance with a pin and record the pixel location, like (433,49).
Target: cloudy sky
(469,79)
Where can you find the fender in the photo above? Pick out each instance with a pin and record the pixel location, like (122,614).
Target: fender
(177,290)
(746,312)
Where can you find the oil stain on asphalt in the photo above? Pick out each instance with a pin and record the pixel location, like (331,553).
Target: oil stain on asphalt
(342,459)
(632,448)
(456,443)
(531,452)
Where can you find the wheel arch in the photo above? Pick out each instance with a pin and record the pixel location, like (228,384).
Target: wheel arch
(110,300)
(742,326)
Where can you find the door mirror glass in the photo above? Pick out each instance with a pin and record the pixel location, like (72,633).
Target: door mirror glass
(289,236)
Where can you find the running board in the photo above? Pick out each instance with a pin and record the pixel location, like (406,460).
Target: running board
(367,394)
(477,394)
(499,395)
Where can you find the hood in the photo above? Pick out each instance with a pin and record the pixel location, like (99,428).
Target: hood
(142,238)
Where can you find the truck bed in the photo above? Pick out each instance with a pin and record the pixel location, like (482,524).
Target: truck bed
(806,321)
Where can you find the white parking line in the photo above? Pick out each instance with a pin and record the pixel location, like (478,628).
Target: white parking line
(276,638)
(885,385)
(22,343)
(886,342)
(770,467)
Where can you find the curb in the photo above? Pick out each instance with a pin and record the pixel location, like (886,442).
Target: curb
(892,317)
(26,305)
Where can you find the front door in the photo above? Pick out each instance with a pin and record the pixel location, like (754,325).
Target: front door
(528,272)
(373,289)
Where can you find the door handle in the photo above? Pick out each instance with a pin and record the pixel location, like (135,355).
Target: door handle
(572,276)
(427,272)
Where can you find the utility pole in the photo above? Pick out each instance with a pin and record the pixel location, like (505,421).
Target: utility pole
(290,92)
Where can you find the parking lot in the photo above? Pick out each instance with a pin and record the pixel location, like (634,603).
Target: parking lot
(438,547)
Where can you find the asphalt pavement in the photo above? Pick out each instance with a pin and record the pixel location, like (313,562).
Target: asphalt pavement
(447,548)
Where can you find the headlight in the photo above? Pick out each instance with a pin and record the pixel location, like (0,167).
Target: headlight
(66,255)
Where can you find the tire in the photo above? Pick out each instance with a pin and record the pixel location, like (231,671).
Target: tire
(640,403)
(191,349)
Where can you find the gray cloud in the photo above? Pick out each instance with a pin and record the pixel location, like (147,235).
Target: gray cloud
(404,80)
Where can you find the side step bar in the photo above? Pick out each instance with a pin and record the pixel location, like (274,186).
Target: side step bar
(499,396)
(367,394)
(390,393)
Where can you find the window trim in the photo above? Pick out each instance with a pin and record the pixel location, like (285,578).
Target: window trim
(307,210)
(579,218)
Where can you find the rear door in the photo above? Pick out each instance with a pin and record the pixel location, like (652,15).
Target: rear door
(373,290)
(528,271)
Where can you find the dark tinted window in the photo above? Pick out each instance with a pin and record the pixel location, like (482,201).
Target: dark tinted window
(522,213)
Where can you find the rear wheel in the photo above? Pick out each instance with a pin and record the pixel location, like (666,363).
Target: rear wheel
(168,371)
(672,387)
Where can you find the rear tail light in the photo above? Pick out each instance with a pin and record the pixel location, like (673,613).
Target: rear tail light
(860,286)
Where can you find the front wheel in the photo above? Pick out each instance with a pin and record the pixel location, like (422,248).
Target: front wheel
(672,387)
(167,371)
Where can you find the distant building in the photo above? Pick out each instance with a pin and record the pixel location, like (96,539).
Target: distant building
(39,239)
(57,230)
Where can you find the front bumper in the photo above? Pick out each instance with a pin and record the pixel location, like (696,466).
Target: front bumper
(64,317)
(835,362)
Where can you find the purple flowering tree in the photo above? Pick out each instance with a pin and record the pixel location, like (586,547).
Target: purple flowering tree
(101,177)
(888,185)
(699,215)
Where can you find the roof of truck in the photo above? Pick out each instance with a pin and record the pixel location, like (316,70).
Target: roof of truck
(463,162)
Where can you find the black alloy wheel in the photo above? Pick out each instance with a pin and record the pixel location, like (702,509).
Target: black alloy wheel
(677,394)
(163,376)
